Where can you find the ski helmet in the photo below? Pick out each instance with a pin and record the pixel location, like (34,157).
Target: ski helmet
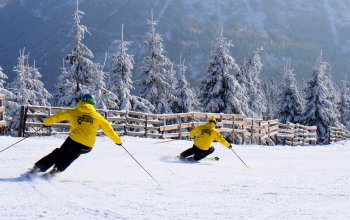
(88,98)
(212,119)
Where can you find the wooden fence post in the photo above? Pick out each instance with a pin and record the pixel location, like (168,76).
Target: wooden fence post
(20,125)
(146,124)
(2,115)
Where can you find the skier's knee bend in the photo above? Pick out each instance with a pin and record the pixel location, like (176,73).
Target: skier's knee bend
(211,150)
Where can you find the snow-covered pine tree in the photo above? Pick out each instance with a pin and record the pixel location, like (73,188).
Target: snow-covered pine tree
(270,90)
(9,104)
(27,88)
(186,100)
(320,110)
(248,76)
(220,91)
(3,90)
(156,86)
(27,85)
(105,99)
(344,104)
(120,79)
(81,71)
(290,101)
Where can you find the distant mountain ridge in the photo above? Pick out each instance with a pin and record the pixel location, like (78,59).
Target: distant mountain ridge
(294,31)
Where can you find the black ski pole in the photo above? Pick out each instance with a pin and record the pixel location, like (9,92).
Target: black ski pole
(239,158)
(20,140)
(139,164)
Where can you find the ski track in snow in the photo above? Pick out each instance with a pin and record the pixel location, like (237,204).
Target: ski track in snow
(283,182)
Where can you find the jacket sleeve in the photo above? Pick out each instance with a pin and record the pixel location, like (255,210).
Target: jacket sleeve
(222,140)
(61,116)
(108,130)
(194,131)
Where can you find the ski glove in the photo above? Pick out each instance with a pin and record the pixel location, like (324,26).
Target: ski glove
(230,147)
(119,144)
(47,126)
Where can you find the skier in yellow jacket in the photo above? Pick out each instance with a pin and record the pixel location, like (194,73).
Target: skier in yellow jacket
(204,137)
(84,122)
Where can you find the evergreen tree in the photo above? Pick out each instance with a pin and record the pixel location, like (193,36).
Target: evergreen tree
(320,110)
(186,100)
(81,71)
(270,90)
(344,104)
(27,86)
(120,80)
(248,76)
(27,89)
(3,90)
(156,87)
(220,92)
(9,104)
(290,100)
(105,99)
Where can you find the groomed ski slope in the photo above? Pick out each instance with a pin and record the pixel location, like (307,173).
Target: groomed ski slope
(283,182)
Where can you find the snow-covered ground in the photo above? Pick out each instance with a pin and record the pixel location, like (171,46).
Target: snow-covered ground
(282,182)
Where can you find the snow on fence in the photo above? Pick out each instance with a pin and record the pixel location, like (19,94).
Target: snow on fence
(2,115)
(338,134)
(238,128)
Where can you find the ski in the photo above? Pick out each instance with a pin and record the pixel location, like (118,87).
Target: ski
(213,158)
(32,176)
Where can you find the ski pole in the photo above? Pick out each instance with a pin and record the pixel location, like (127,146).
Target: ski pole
(139,164)
(164,141)
(240,158)
(20,140)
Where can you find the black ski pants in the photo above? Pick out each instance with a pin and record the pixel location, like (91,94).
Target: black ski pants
(62,157)
(197,153)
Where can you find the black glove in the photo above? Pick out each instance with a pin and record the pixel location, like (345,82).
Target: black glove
(230,147)
(119,144)
(47,126)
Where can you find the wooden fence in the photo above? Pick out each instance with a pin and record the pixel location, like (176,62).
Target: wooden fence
(2,115)
(338,134)
(238,128)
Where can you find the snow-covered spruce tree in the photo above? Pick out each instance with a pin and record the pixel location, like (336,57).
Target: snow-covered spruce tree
(120,79)
(3,90)
(186,100)
(270,90)
(80,70)
(344,104)
(249,79)
(27,86)
(220,91)
(9,103)
(105,99)
(290,100)
(27,89)
(156,86)
(320,110)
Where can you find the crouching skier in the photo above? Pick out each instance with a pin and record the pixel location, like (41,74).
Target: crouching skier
(84,122)
(205,135)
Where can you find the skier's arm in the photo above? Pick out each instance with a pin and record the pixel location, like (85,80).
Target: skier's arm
(108,130)
(194,131)
(61,116)
(222,140)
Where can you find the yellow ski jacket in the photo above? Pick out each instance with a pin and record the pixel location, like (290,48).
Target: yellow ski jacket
(206,134)
(84,122)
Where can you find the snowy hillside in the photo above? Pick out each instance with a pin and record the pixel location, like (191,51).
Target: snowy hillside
(283,182)
(294,31)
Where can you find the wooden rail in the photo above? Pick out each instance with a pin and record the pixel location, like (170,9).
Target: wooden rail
(237,128)
(338,134)
(2,115)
